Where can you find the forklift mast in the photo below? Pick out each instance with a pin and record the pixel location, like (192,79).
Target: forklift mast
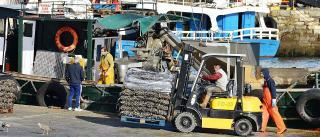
(179,98)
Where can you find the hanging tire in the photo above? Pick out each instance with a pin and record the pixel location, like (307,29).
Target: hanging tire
(308,106)
(270,22)
(243,127)
(52,94)
(185,122)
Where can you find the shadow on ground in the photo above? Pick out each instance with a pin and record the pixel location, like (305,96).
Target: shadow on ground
(115,122)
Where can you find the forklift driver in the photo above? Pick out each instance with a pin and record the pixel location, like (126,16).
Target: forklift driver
(221,80)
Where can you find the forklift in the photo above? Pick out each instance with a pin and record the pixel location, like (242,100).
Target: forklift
(229,110)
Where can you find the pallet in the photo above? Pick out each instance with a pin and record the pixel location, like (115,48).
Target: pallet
(151,122)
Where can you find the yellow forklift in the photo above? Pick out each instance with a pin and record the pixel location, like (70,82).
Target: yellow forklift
(229,110)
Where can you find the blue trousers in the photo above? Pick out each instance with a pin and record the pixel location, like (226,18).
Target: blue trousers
(74,89)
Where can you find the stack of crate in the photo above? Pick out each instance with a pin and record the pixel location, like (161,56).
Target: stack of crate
(9,90)
(146,94)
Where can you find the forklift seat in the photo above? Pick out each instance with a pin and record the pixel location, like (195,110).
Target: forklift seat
(220,94)
(230,89)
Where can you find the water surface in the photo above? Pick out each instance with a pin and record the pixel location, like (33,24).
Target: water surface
(290,63)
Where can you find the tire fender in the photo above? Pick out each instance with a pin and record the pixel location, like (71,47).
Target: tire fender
(270,22)
(55,88)
(312,94)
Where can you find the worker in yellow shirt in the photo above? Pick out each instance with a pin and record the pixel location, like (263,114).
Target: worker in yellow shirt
(106,67)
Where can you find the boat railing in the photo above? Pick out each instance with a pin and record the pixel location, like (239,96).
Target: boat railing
(204,35)
(247,33)
(216,3)
(256,33)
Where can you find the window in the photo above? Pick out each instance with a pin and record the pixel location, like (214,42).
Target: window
(27,29)
(98,52)
(1,28)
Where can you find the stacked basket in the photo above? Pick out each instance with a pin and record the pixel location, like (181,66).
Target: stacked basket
(146,94)
(9,91)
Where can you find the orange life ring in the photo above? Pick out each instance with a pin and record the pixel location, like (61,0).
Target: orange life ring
(74,35)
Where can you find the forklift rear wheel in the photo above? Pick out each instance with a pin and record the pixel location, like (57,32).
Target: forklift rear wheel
(243,127)
(185,122)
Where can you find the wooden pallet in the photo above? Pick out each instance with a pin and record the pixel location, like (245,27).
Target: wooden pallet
(145,121)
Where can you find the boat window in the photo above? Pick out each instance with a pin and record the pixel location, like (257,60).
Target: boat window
(257,23)
(198,22)
(98,52)
(1,28)
(27,29)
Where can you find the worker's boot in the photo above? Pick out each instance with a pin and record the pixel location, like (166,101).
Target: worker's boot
(205,100)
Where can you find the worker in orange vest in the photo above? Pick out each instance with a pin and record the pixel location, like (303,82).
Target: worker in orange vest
(269,103)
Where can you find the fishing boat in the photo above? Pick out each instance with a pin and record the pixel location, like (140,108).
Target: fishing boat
(216,20)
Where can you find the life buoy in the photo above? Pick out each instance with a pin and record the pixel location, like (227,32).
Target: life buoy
(74,35)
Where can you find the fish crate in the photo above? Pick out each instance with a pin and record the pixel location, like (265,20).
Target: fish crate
(151,122)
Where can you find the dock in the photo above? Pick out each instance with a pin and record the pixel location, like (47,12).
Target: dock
(24,123)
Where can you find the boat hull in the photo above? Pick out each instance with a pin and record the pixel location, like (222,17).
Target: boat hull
(268,48)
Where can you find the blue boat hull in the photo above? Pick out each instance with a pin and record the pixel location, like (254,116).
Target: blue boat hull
(268,48)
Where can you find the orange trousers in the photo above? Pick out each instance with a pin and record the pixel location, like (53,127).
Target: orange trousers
(272,111)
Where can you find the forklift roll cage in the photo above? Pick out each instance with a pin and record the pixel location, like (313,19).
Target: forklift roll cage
(193,107)
(205,57)
(181,102)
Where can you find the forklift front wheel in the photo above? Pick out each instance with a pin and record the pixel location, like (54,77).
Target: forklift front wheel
(243,127)
(185,122)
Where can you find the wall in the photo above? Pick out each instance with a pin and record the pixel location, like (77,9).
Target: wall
(299,32)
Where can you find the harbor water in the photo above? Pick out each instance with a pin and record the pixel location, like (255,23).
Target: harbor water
(290,63)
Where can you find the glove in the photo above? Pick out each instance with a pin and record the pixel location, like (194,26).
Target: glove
(274,102)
